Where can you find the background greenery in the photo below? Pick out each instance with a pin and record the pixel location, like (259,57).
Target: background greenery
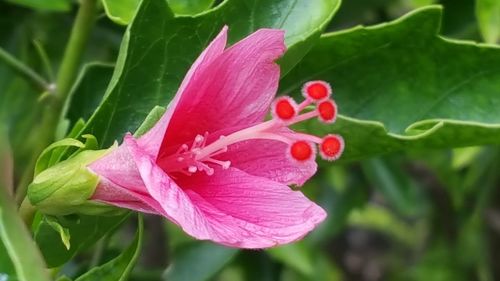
(415,196)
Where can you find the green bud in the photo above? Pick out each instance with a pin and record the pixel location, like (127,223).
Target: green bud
(66,187)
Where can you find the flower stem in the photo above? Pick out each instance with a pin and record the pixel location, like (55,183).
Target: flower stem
(66,77)
(74,50)
(24,71)
(27,212)
(45,60)
(6,161)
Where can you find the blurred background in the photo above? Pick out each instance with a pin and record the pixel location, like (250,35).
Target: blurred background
(421,215)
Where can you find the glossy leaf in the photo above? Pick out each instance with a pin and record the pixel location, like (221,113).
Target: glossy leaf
(63,232)
(198,261)
(189,7)
(403,86)
(45,5)
(488,17)
(83,231)
(153,59)
(88,90)
(120,267)
(120,11)
(18,243)
(43,162)
(153,117)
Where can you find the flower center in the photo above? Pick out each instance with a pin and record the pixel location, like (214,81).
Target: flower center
(202,157)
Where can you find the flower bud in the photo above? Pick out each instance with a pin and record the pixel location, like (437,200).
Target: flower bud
(66,187)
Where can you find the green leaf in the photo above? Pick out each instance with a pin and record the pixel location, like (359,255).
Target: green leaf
(43,162)
(120,267)
(18,243)
(153,117)
(158,48)
(421,3)
(88,90)
(198,261)
(120,11)
(63,232)
(83,230)
(488,17)
(189,7)
(403,86)
(45,5)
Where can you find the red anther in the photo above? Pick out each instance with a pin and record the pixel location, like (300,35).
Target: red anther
(327,111)
(284,108)
(316,90)
(301,150)
(331,147)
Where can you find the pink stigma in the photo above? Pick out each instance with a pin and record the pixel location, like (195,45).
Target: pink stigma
(327,110)
(331,147)
(284,108)
(203,156)
(301,150)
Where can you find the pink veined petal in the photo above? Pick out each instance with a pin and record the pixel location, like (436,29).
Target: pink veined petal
(151,141)
(119,168)
(255,211)
(120,182)
(236,89)
(269,159)
(176,204)
(230,207)
(113,194)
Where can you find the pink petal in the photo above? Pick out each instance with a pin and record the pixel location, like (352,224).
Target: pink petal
(256,211)
(230,207)
(236,89)
(121,184)
(113,194)
(152,140)
(269,159)
(119,167)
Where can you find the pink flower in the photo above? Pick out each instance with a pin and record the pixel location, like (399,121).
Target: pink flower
(212,165)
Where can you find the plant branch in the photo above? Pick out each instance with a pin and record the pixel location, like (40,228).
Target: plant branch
(66,77)
(74,50)
(27,212)
(45,60)
(24,71)
(6,161)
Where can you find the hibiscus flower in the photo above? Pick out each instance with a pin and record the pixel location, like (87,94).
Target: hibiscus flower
(213,165)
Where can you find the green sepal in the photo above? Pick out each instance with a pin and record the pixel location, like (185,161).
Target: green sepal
(66,187)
